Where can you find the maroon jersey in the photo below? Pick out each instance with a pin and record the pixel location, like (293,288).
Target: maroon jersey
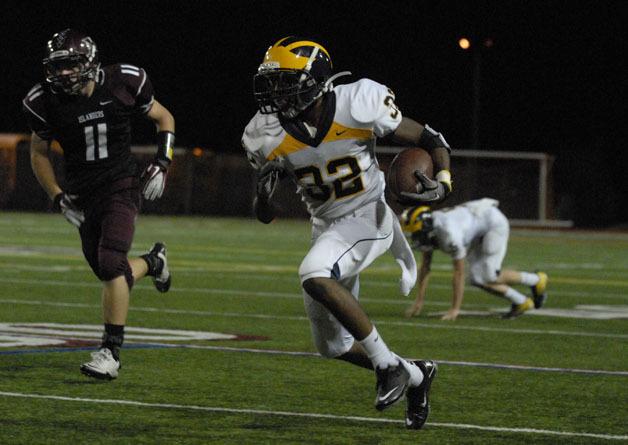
(95,131)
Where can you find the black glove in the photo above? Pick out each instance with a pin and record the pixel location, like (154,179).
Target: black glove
(267,179)
(432,191)
(64,203)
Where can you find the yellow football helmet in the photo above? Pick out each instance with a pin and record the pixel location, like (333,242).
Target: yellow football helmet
(418,222)
(293,74)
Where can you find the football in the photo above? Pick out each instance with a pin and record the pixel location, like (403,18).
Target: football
(401,177)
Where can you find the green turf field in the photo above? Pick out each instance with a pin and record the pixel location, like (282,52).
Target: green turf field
(569,382)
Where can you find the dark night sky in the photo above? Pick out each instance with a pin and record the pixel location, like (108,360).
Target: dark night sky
(551,83)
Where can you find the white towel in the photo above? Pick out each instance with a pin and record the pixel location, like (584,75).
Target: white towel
(405,258)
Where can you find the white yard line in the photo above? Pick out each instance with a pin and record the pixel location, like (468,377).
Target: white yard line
(265,275)
(439,361)
(303,318)
(217,409)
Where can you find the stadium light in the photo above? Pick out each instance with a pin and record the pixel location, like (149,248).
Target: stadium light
(482,45)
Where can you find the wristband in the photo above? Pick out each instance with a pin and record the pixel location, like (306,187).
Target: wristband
(165,147)
(444,176)
(430,139)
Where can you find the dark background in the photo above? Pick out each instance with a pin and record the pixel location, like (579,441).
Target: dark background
(554,80)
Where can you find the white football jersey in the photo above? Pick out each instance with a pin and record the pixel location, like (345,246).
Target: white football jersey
(457,227)
(336,171)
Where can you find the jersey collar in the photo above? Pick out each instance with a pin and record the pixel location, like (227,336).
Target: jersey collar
(296,128)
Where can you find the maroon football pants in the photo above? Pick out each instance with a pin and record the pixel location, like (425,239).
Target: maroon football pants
(107,233)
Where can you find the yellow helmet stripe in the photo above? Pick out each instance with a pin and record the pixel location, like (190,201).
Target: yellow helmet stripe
(283,55)
(412,223)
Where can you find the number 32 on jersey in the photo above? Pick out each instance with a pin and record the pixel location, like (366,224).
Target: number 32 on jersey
(348,184)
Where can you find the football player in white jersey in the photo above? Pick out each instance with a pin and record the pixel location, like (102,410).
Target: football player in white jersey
(323,139)
(478,232)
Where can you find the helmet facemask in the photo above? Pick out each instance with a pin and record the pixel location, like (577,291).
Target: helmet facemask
(419,223)
(71,62)
(69,74)
(285,91)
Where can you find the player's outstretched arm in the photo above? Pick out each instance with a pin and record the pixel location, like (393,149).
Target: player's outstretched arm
(424,277)
(154,177)
(458,285)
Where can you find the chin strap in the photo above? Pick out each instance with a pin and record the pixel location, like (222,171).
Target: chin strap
(328,83)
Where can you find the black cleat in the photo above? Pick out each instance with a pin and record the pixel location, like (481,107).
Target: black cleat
(158,267)
(392,383)
(418,397)
(517,310)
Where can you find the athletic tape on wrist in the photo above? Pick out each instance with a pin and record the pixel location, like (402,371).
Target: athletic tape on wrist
(444,176)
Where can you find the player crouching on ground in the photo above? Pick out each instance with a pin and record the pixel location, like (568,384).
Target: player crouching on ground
(88,110)
(477,231)
(322,137)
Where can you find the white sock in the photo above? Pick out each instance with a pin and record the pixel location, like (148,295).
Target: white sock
(377,351)
(529,279)
(515,296)
(416,376)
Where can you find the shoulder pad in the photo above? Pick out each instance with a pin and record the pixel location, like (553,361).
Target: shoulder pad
(366,99)
(131,77)
(130,84)
(34,102)
(261,129)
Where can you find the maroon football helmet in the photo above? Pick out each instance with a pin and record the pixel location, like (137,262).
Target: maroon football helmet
(71,61)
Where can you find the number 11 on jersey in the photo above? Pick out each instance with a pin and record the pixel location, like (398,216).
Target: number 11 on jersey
(90,141)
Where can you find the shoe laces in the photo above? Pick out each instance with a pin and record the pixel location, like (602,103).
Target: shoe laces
(102,356)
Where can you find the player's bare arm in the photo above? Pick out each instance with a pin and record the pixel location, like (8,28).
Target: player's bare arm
(154,177)
(162,117)
(42,167)
(424,277)
(458,288)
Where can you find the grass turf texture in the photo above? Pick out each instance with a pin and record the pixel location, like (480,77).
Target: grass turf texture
(239,276)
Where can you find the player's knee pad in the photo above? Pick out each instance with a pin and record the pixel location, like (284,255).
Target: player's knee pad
(112,264)
(480,276)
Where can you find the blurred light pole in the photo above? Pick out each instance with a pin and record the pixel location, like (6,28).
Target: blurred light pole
(476,53)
